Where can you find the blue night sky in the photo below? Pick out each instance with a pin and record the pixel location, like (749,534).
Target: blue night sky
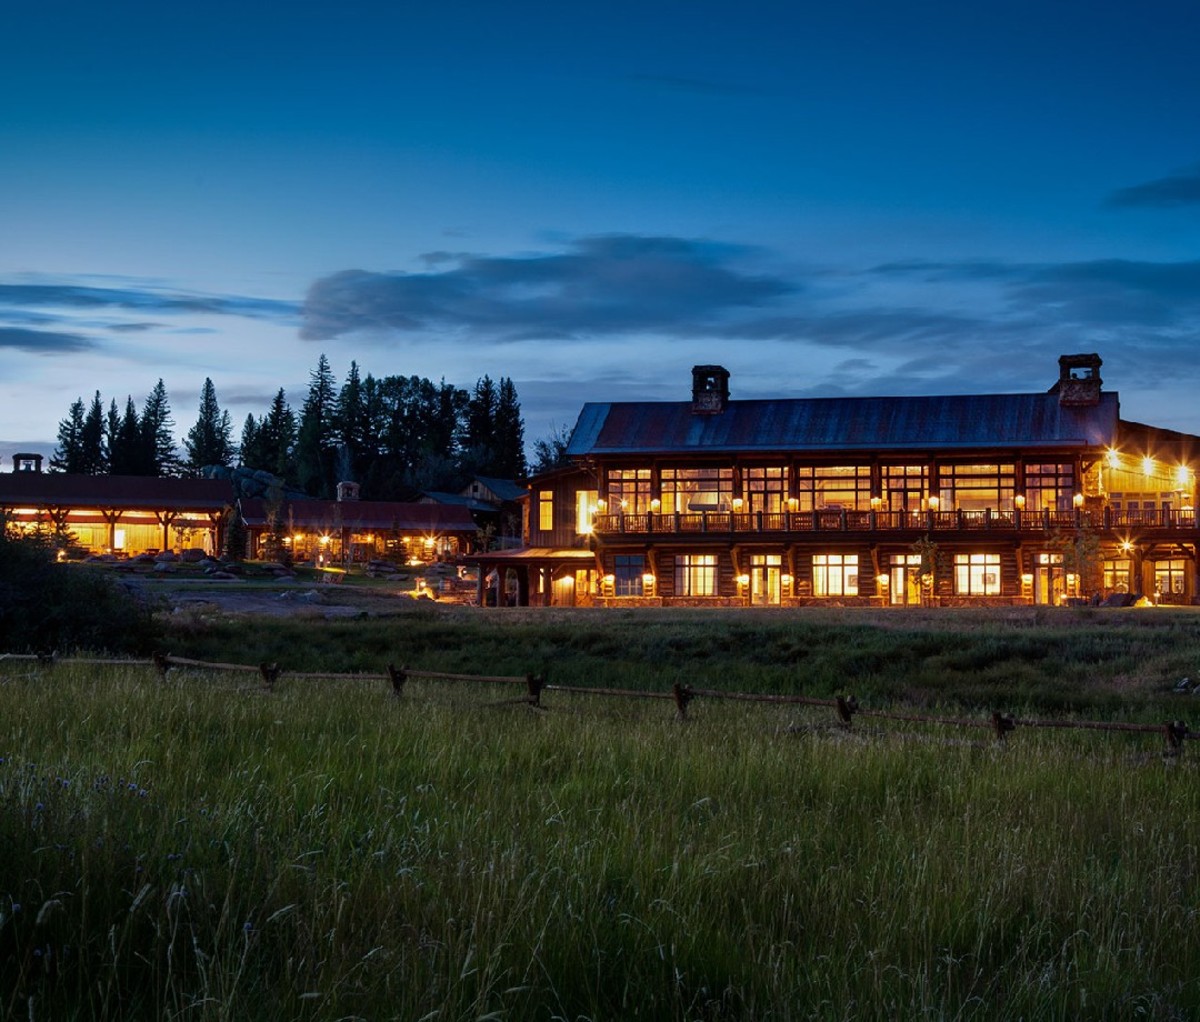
(851,198)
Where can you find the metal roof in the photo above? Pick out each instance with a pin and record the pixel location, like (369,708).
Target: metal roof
(364,515)
(58,489)
(845,424)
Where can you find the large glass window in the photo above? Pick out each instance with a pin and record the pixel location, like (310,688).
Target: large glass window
(628,570)
(1116,575)
(835,574)
(697,489)
(765,488)
(904,487)
(628,490)
(834,488)
(1049,487)
(976,487)
(696,575)
(977,574)
(1169,576)
(546,510)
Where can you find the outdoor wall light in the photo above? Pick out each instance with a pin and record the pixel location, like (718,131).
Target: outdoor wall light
(1077,500)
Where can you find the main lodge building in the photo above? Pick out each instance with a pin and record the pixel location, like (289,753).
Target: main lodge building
(1042,498)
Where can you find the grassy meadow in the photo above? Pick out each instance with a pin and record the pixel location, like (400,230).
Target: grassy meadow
(198,848)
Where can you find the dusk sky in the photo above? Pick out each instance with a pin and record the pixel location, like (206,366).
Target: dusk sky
(857,198)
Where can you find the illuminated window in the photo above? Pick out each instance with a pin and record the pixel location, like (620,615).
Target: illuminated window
(628,490)
(628,570)
(546,510)
(976,487)
(1049,487)
(834,488)
(585,504)
(696,489)
(1169,576)
(904,486)
(696,575)
(765,489)
(835,574)
(1116,575)
(977,574)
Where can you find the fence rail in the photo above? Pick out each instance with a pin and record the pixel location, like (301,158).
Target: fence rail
(846,708)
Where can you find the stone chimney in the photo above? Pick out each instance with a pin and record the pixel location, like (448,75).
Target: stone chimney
(347,491)
(1078,380)
(710,390)
(27,462)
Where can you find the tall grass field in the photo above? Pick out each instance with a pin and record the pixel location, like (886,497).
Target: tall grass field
(197,848)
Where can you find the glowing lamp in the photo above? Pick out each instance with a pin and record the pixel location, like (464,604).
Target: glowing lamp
(1077,500)
(1019,500)
(1148,466)
(743,580)
(934,503)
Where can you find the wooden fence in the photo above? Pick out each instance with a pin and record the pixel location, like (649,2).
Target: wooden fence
(845,708)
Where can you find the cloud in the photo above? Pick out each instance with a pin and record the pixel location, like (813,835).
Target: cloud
(600,286)
(43,342)
(1181,189)
(143,299)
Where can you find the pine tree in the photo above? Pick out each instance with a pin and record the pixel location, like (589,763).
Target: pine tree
(277,438)
(250,454)
(92,459)
(315,440)
(209,441)
(126,453)
(509,443)
(350,424)
(68,455)
(158,442)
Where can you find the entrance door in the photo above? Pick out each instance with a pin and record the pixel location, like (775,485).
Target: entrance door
(1049,580)
(906,580)
(765,570)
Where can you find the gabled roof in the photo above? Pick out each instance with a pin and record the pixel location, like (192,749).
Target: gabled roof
(439,497)
(505,489)
(364,515)
(845,424)
(58,489)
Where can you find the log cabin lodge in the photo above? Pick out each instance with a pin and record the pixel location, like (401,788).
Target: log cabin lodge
(988,499)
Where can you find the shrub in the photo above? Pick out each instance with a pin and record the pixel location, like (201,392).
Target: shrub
(48,606)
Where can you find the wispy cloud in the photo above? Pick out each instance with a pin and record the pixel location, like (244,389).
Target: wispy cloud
(599,286)
(43,342)
(1179,189)
(152,300)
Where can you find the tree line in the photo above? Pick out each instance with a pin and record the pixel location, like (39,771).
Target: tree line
(394,435)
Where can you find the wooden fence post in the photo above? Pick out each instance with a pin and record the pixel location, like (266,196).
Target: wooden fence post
(847,707)
(270,675)
(398,678)
(683,695)
(534,684)
(163,662)
(1002,724)
(1176,731)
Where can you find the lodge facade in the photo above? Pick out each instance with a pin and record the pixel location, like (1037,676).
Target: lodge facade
(1042,498)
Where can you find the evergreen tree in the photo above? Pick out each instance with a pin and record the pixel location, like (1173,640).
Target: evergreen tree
(92,460)
(250,452)
(126,453)
(508,445)
(68,455)
(158,441)
(315,441)
(351,426)
(209,441)
(276,439)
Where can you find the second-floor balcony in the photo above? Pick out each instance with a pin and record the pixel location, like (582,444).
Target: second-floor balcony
(776,522)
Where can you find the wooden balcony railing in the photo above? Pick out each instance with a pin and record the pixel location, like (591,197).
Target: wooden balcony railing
(700,522)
